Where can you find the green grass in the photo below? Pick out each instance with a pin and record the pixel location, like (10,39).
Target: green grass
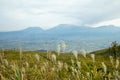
(12,67)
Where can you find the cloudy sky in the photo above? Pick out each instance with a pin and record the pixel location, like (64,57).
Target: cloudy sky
(20,14)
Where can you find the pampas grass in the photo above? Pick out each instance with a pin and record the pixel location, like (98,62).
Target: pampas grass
(40,66)
(75,53)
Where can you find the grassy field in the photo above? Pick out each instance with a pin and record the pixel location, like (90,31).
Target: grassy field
(30,65)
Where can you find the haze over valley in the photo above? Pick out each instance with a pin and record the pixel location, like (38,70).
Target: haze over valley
(75,37)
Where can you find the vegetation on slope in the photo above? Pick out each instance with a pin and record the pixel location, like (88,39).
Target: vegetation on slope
(29,65)
(113,50)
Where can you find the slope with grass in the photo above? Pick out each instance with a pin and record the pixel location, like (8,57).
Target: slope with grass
(30,65)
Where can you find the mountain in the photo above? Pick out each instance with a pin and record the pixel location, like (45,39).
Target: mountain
(33,30)
(69,30)
(66,30)
(25,33)
(108,29)
(79,37)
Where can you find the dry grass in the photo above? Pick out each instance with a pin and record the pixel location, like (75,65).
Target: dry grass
(28,65)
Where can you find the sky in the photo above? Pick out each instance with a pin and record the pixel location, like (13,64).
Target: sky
(20,14)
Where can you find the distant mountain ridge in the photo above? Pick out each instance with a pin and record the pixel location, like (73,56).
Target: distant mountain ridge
(33,29)
(64,30)
(68,27)
(72,34)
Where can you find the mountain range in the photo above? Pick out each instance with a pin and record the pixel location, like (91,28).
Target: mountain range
(34,38)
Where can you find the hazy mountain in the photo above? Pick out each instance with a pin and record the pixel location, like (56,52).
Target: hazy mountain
(108,29)
(33,30)
(74,36)
(72,30)
(66,30)
(69,30)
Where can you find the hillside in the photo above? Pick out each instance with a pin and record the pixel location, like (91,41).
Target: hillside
(107,51)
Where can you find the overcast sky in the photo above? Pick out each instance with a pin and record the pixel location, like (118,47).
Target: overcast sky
(20,14)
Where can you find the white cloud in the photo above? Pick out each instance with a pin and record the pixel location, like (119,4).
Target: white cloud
(18,14)
(115,22)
